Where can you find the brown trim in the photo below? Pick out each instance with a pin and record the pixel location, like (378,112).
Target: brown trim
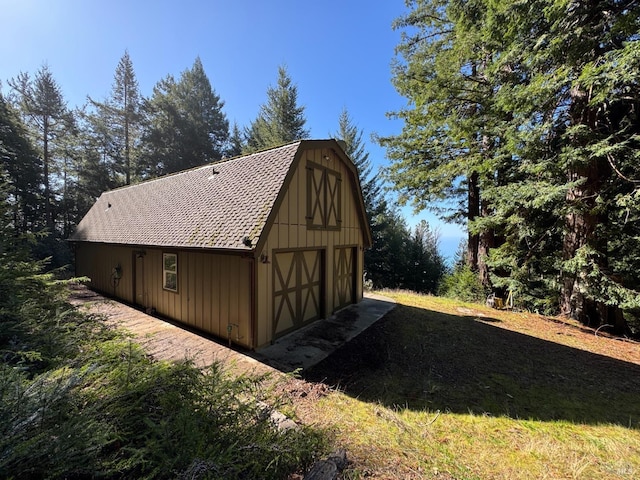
(135,254)
(321,196)
(134,279)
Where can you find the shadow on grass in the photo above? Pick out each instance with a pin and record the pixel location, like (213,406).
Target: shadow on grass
(420,359)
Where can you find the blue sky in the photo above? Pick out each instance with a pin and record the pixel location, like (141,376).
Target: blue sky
(337,52)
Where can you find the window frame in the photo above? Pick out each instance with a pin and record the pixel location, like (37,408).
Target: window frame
(165,272)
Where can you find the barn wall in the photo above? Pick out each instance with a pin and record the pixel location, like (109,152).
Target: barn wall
(290,231)
(97,262)
(214,291)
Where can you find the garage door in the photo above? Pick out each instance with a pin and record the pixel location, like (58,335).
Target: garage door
(344,277)
(297,289)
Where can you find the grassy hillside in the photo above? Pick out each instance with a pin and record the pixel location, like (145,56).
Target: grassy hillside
(437,389)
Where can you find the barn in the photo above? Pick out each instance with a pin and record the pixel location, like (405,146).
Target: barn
(247,249)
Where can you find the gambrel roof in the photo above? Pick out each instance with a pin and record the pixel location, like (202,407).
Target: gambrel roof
(222,206)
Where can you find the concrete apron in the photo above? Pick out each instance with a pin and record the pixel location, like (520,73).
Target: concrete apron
(299,350)
(307,346)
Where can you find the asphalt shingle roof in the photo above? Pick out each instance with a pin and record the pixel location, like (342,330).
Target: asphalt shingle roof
(193,209)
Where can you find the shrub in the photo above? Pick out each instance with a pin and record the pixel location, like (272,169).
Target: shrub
(463,284)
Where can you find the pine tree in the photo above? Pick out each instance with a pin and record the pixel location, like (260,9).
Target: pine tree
(371,183)
(574,102)
(425,264)
(21,173)
(118,118)
(236,143)
(539,101)
(45,112)
(280,120)
(185,124)
(445,155)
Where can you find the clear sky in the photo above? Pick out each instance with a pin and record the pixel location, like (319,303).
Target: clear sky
(337,52)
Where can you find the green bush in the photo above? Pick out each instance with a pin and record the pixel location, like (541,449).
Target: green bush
(463,284)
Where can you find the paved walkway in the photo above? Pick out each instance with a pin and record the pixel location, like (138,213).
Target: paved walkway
(166,340)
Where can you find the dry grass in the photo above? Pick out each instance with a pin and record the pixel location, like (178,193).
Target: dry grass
(438,389)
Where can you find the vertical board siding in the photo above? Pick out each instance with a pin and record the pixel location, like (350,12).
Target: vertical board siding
(97,261)
(215,295)
(289,231)
(214,291)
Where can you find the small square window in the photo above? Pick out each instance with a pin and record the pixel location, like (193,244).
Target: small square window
(170,271)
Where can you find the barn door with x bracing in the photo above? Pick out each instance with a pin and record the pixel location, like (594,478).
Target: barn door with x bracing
(297,288)
(344,277)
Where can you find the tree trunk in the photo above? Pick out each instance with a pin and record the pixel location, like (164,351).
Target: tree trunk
(473,212)
(127,151)
(580,231)
(578,288)
(486,241)
(47,191)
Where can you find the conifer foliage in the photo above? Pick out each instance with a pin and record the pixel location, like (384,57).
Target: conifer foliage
(527,114)
(184,124)
(281,120)
(398,257)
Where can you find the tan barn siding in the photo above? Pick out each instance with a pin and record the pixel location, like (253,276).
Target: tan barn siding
(214,290)
(97,262)
(289,231)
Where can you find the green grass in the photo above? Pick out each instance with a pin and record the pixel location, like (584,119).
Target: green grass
(439,389)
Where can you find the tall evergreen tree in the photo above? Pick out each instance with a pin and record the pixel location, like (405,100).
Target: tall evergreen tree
(445,155)
(118,118)
(396,259)
(548,122)
(280,120)
(425,264)
(236,142)
(21,173)
(355,148)
(46,113)
(575,101)
(185,124)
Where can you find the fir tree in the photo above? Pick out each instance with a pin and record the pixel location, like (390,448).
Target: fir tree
(445,155)
(118,119)
(21,173)
(236,142)
(185,124)
(45,112)
(280,120)
(540,101)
